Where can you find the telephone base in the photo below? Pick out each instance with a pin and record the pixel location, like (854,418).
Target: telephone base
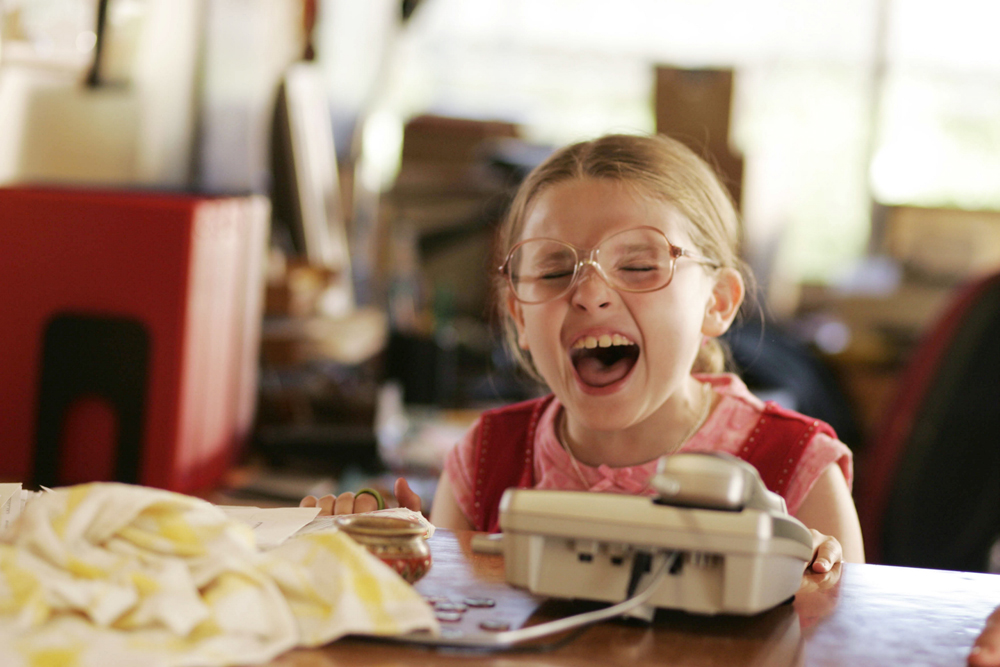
(597,546)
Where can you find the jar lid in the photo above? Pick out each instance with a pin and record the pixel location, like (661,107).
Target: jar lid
(379,526)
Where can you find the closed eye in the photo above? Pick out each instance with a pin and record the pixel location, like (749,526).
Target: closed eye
(557,274)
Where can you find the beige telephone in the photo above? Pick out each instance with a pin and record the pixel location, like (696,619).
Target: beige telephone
(718,539)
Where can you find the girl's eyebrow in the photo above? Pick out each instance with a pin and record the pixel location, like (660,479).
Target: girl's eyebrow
(554,257)
(635,247)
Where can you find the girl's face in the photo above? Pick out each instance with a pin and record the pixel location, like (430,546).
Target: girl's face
(654,336)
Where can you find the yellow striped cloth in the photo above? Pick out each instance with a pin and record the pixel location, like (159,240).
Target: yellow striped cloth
(112,574)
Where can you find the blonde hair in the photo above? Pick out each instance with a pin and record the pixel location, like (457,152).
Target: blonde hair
(656,166)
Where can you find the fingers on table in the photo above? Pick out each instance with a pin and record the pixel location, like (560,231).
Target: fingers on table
(827,552)
(365,502)
(325,504)
(986,650)
(344,503)
(405,496)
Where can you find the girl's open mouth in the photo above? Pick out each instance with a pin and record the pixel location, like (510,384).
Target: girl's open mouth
(604,360)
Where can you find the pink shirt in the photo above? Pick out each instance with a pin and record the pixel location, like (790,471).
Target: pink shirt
(725,430)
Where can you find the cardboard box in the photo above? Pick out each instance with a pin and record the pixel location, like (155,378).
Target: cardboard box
(694,106)
(948,245)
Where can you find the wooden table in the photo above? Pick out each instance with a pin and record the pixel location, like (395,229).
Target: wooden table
(857,615)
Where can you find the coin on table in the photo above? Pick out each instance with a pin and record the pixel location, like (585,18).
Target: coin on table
(435,600)
(495,626)
(448,616)
(480,602)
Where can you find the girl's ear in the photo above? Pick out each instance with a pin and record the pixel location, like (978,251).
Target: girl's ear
(516,314)
(724,303)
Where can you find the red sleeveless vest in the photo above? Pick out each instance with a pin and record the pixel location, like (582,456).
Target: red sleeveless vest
(504,451)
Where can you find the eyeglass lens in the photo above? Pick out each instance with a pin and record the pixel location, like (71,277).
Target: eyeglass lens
(636,260)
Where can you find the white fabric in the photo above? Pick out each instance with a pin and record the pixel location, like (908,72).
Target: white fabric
(112,574)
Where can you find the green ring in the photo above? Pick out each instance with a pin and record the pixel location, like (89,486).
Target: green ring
(379,501)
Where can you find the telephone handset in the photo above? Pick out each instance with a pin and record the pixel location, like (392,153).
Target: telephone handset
(713,480)
(731,545)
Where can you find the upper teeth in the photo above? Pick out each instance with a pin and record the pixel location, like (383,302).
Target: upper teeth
(590,342)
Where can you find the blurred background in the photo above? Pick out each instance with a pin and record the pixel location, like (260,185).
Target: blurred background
(379,143)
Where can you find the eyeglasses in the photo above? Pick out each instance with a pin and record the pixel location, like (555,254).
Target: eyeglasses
(635,260)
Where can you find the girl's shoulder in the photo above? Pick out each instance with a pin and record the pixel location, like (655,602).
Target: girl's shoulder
(735,414)
(730,386)
(511,426)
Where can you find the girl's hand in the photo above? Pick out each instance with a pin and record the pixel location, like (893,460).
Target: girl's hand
(349,503)
(827,552)
(986,651)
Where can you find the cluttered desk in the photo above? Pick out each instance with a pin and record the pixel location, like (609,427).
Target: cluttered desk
(709,573)
(856,615)
(525,599)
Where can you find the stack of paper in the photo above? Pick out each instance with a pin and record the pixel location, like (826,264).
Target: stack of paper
(12,501)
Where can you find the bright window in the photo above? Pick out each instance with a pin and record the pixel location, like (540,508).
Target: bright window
(821,90)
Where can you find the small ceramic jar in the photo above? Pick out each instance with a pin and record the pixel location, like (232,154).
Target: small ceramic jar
(398,543)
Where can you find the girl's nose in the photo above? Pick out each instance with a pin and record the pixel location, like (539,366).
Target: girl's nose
(591,290)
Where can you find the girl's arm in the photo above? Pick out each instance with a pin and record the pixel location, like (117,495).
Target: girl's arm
(445,512)
(829,509)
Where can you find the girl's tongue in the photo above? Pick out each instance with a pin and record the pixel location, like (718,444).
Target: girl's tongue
(601,366)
